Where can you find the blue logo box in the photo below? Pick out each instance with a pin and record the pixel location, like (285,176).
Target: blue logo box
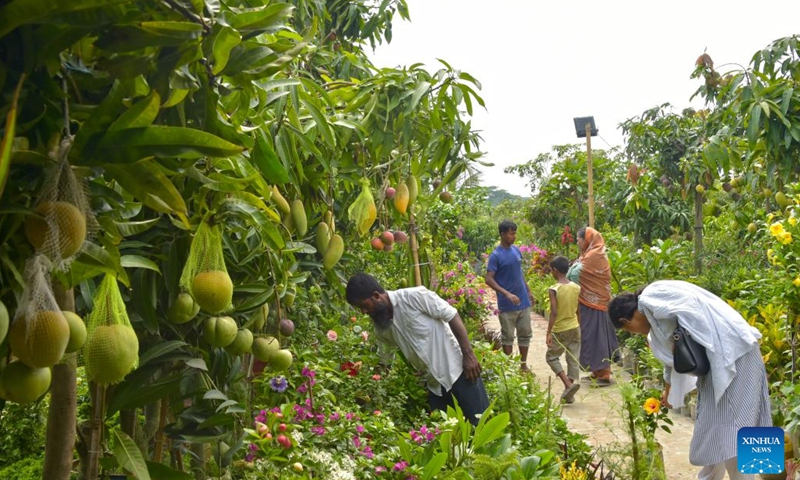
(760,450)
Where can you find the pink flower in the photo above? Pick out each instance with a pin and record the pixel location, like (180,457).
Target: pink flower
(365,336)
(318,430)
(376,377)
(332,335)
(376,412)
(400,466)
(379,469)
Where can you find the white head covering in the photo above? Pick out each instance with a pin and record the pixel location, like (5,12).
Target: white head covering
(713,323)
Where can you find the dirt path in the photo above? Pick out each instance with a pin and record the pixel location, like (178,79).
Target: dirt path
(596,410)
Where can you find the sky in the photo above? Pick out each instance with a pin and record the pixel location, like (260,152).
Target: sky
(542,63)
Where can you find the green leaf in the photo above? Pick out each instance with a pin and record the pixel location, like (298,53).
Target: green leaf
(159,471)
(197,363)
(141,114)
(137,261)
(322,123)
(160,349)
(222,43)
(129,229)
(214,395)
(269,231)
(267,161)
(96,125)
(133,144)
(421,89)
(434,465)
(268,19)
(148,184)
(136,391)
(218,420)
(128,455)
(8,137)
(17,13)
(127,38)
(93,261)
(753,125)
(491,430)
(300,247)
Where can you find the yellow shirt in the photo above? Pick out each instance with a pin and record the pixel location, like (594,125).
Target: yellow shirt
(567,304)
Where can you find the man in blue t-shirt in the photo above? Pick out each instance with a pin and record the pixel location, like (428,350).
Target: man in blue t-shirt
(504,274)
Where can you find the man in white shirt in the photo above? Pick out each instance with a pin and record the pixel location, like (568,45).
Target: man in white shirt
(430,335)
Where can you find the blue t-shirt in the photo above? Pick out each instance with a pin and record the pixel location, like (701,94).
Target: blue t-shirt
(506,263)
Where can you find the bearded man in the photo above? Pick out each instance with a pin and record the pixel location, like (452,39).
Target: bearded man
(430,335)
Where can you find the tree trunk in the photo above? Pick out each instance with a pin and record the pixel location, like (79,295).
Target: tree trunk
(94,431)
(199,461)
(698,232)
(62,416)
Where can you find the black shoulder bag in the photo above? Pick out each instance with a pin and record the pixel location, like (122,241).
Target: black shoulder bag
(689,356)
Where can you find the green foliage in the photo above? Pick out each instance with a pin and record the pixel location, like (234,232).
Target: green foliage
(560,189)
(535,422)
(22,432)
(29,468)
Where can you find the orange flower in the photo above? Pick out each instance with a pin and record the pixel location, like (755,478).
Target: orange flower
(651,406)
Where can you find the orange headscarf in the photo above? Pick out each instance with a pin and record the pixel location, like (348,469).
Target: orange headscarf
(595,274)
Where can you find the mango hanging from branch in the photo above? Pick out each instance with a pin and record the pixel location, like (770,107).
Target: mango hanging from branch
(401,198)
(363,211)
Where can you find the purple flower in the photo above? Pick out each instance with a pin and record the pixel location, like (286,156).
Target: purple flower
(261,418)
(307,372)
(253,447)
(379,469)
(320,418)
(357,442)
(249,458)
(367,452)
(400,466)
(279,384)
(349,416)
(302,388)
(360,429)
(318,430)
(335,416)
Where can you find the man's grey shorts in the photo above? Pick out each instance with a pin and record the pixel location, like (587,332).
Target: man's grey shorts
(519,320)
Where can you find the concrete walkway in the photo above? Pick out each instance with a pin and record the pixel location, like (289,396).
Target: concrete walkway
(595,412)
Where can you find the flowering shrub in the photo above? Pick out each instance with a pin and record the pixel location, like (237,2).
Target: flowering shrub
(465,291)
(536,261)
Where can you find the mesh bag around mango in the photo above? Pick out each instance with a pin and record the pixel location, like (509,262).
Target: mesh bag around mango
(205,275)
(39,334)
(112,347)
(363,211)
(61,220)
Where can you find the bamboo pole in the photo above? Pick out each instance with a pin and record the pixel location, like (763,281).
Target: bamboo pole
(414,249)
(591,173)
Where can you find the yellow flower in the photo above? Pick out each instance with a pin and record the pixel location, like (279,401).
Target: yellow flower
(792,221)
(651,406)
(776,229)
(796,281)
(785,238)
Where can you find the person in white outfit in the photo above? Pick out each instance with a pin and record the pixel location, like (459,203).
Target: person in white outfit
(431,337)
(734,392)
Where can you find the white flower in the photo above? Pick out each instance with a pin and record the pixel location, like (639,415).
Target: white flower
(655,249)
(297,435)
(639,252)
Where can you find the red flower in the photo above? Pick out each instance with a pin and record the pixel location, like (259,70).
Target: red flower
(351,368)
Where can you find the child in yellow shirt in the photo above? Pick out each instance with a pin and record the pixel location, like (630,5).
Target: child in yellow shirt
(563,330)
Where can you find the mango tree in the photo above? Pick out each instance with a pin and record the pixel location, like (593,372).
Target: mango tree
(260,120)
